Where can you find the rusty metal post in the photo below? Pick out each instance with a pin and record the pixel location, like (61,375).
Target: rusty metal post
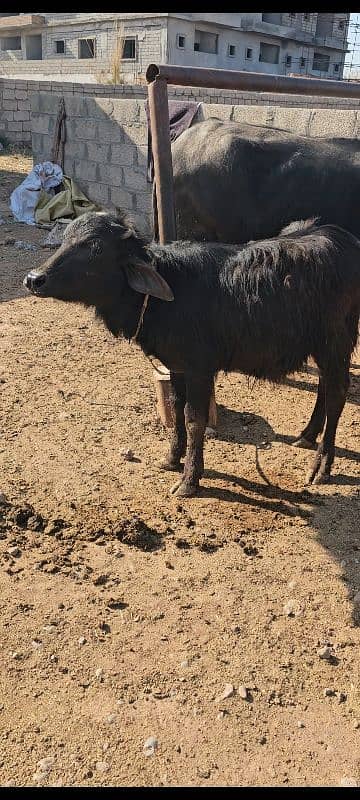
(161,147)
(163,209)
(163,173)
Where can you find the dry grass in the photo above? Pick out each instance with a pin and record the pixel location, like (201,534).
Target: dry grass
(114,74)
(117,55)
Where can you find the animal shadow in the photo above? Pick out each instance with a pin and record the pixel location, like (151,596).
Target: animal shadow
(243,427)
(247,428)
(353,395)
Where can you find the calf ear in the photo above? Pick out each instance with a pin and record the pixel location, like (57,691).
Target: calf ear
(146,280)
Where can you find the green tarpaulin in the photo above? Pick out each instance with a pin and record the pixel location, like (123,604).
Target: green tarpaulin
(70,202)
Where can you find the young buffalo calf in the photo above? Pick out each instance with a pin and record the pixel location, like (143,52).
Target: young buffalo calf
(261,309)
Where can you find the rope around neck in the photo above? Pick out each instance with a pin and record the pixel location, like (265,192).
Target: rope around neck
(138,328)
(141,318)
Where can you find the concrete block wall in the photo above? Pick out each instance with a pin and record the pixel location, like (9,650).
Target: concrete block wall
(15,111)
(106,147)
(71,35)
(15,99)
(56,69)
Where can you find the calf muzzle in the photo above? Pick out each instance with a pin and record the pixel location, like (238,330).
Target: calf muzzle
(33,281)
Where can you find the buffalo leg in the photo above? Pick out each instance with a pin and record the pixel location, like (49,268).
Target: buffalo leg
(178,435)
(336,384)
(198,392)
(309,435)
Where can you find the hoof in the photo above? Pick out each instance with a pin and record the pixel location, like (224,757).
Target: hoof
(210,433)
(317,478)
(181,489)
(304,443)
(321,477)
(171,466)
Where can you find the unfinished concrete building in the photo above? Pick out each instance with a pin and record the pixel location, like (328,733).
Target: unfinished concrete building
(118,47)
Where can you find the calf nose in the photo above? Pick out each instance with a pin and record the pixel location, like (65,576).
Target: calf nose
(33,280)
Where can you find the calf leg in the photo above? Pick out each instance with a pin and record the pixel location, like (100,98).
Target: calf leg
(309,435)
(198,391)
(178,434)
(336,384)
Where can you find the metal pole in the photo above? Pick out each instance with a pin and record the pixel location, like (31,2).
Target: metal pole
(250,81)
(161,147)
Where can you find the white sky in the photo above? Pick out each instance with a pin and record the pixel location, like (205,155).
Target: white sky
(353,58)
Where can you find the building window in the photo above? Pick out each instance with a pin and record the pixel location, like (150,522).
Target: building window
(129,51)
(87,48)
(205,42)
(11,43)
(269,53)
(180,41)
(249,53)
(306,17)
(273,19)
(321,62)
(59,46)
(288,61)
(341,24)
(336,67)
(292,15)
(231,50)
(302,61)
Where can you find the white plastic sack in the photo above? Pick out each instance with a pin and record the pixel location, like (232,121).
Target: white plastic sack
(24,198)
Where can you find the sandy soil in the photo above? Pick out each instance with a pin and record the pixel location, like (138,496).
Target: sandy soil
(124,613)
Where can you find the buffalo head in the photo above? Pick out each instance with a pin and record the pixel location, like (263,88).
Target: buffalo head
(101,255)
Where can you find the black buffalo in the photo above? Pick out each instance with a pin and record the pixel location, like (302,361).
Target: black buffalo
(261,309)
(234,182)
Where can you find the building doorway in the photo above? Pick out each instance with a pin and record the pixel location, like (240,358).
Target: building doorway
(33,48)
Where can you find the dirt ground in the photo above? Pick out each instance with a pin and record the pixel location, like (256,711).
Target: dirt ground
(127,615)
